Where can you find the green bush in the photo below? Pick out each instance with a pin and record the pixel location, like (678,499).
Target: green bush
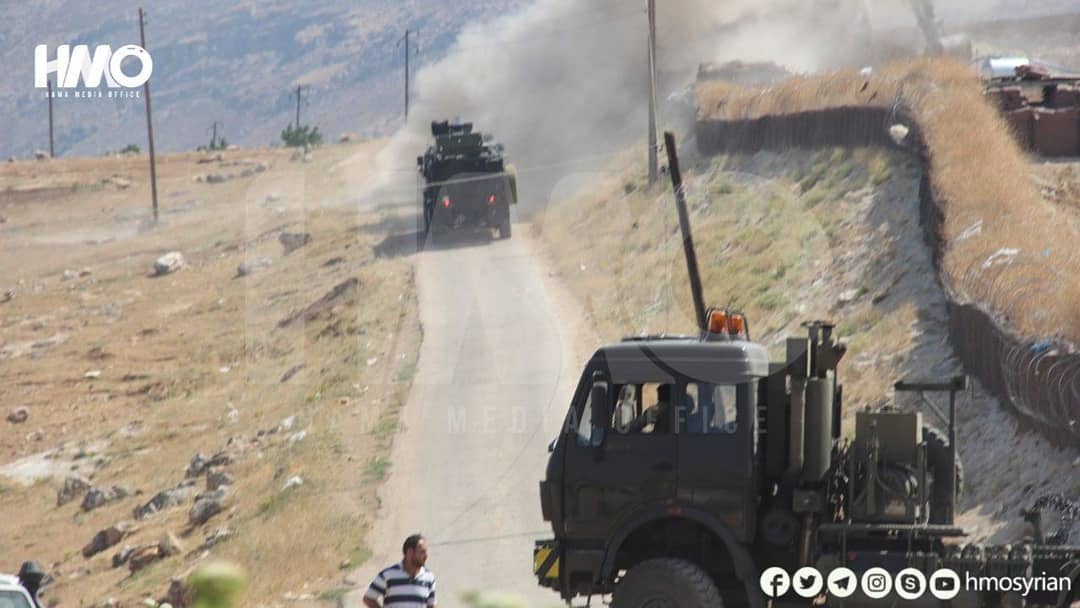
(305,135)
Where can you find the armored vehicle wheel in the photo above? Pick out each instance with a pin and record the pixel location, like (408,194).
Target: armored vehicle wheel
(504,228)
(666,583)
(937,447)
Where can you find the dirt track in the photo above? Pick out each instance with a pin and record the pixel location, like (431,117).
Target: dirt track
(497,365)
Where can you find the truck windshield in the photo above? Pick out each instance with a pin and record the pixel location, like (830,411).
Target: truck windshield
(712,408)
(13,599)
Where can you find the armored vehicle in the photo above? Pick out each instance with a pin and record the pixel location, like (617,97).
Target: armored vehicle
(694,472)
(467,182)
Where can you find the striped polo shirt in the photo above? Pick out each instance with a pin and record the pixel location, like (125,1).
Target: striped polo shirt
(399,589)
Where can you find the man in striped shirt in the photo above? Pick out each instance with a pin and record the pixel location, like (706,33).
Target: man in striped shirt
(406,584)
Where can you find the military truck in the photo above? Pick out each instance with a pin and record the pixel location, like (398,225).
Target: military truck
(467,181)
(689,466)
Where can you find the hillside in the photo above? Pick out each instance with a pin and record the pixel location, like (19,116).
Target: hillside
(237,63)
(154,390)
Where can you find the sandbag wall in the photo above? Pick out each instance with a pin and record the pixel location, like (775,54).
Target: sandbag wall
(1041,387)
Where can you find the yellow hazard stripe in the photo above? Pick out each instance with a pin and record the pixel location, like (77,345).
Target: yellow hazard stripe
(539,557)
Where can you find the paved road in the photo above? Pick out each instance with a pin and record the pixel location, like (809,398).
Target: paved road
(495,372)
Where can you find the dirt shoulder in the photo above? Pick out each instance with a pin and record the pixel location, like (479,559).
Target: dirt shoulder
(287,374)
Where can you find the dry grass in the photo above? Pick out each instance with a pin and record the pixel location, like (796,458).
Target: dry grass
(208,342)
(981,177)
(771,233)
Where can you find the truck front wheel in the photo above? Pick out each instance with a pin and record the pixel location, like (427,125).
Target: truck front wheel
(666,582)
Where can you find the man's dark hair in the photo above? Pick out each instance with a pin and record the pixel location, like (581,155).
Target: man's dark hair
(411,542)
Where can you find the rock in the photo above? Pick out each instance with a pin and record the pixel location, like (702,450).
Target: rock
(250,266)
(345,564)
(179,594)
(292,241)
(169,545)
(143,557)
(898,133)
(297,437)
(69,275)
(215,178)
(217,536)
(168,263)
(208,504)
(107,538)
(293,482)
(215,479)
(96,497)
(220,459)
(287,424)
(292,371)
(11,159)
(120,182)
(849,296)
(161,501)
(346,138)
(232,147)
(18,415)
(92,374)
(74,486)
(198,466)
(7,296)
(121,557)
(41,155)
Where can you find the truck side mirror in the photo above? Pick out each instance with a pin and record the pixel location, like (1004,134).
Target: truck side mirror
(419,161)
(601,403)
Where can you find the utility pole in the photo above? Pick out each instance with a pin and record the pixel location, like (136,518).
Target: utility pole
(149,122)
(52,153)
(213,128)
(297,106)
(653,169)
(408,48)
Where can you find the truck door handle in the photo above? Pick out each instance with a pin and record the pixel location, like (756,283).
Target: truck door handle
(664,467)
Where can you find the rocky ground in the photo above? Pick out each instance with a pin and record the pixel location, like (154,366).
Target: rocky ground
(192,389)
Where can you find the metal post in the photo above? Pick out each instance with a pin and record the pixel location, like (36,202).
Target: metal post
(954,450)
(297,106)
(408,50)
(684,224)
(149,123)
(653,169)
(52,152)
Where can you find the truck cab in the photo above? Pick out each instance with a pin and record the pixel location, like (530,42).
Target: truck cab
(657,459)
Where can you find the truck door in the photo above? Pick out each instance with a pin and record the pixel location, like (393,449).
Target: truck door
(630,465)
(715,452)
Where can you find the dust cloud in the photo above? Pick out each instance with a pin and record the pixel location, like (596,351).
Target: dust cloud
(563,84)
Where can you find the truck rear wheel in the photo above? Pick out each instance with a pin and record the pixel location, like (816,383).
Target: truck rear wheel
(504,227)
(666,583)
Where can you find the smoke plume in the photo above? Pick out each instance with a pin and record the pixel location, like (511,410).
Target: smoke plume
(564,84)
